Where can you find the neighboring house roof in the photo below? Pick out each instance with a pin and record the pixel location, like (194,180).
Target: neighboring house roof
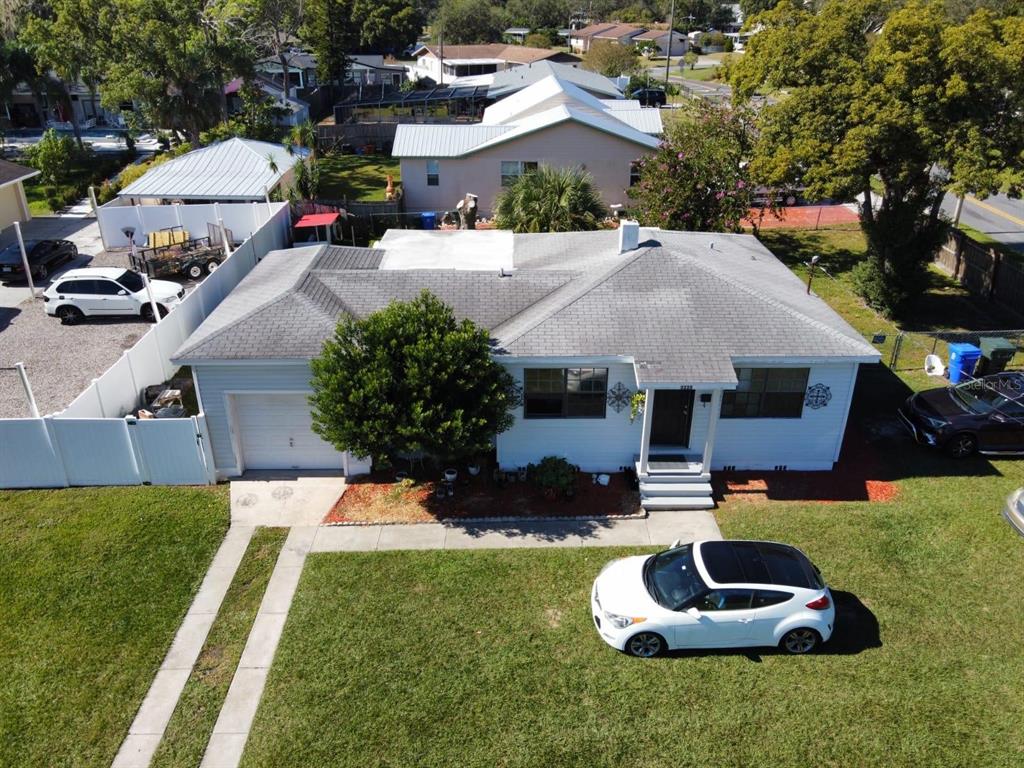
(235,169)
(683,306)
(544,104)
(515,79)
(518,54)
(617,32)
(656,34)
(12,172)
(296,60)
(592,29)
(517,31)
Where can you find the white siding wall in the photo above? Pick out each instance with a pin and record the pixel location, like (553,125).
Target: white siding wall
(597,445)
(215,380)
(607,158)
(809,443)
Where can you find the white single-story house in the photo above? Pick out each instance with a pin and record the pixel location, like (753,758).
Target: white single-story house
(371,69)
(13,203)
(516,35)
(515,79)
(660,37)
(465,60)
(232,171)
(551,122)
(580,40)
(740,366)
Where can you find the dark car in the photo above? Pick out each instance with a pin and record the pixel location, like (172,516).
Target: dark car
(650,97)
(985,415)
(43,257)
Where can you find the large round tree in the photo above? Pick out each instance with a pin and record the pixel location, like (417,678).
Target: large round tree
(407,379)
(550,200)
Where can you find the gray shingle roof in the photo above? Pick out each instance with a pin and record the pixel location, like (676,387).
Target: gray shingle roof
(682,306)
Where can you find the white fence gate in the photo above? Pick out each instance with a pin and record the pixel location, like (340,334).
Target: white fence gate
(91,442)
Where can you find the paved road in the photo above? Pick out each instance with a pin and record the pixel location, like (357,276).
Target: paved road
(997,216)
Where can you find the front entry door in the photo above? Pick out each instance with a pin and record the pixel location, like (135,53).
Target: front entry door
(673,412)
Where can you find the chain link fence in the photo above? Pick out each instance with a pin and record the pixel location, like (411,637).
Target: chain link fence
(906,350)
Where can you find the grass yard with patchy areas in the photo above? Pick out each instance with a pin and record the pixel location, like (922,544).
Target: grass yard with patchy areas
(93,585)
(491,658)
(192,724)
(357,177)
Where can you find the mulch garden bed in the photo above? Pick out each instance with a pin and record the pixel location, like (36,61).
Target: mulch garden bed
(380,498)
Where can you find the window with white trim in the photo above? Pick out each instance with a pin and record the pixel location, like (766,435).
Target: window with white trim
(766,393)
(433,173)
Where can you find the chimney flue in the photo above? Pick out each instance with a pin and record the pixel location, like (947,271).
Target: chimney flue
(629,235)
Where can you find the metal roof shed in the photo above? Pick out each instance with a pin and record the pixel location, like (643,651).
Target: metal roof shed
(235,170)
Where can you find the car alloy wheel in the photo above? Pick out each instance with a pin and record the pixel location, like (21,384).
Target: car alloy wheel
(195,271)
(799,641)
(962,446)
(645,645)
(69,315)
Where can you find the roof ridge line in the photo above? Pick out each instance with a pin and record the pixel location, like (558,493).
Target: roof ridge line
(767,299)
(587,286)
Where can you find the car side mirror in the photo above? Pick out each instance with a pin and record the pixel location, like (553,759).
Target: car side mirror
(122,292)
(692,612)
(998,417)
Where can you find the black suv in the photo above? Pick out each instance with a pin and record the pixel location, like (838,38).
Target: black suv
(650,97)
(985,415)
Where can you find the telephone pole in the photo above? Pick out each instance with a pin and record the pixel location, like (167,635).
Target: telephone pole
(668,51)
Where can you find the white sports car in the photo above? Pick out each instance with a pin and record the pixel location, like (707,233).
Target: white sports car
(713,594)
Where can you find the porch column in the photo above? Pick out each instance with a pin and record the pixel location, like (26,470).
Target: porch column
(709,439)
(645,435)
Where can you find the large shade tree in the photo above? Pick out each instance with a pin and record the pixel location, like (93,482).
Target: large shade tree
(407,379)
(550,199)
(698,179)
(906,100)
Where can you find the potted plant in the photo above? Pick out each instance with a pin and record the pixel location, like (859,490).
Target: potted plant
(473,468)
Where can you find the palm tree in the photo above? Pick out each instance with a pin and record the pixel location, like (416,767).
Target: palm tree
(550,200)
(302,135)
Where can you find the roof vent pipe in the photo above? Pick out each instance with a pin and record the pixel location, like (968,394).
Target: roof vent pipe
(629,235)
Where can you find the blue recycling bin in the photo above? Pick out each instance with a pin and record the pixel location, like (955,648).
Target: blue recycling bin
(429,221)
(962,359)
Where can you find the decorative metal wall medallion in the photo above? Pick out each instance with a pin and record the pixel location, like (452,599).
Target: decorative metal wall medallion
(619,397)
(818,396)
(515,395)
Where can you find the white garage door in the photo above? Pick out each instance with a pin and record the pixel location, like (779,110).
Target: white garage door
(275,432)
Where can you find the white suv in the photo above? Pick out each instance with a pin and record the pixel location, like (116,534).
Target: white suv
(106,291)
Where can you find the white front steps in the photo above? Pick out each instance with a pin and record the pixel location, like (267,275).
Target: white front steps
(680,485)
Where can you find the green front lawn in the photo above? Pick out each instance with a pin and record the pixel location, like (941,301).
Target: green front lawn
(190,727)
(490,658)
(93,585)
(357,177)
(700,73)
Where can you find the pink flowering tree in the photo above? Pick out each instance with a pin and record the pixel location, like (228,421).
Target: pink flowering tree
(697,180)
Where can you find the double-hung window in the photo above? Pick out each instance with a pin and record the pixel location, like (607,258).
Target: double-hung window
(433,173)
(766,393)
(634,173)
(511,170)
(565,393)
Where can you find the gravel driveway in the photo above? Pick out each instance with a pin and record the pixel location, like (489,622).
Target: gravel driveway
(61,360)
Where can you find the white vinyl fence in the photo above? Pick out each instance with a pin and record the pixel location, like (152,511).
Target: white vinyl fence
(91,442)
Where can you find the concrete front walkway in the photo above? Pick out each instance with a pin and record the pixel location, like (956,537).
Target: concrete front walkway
(150,722)
(236,715)
(659,528)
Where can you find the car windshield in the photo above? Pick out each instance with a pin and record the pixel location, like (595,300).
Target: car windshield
(671,577)
(983,396)
(131,280)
